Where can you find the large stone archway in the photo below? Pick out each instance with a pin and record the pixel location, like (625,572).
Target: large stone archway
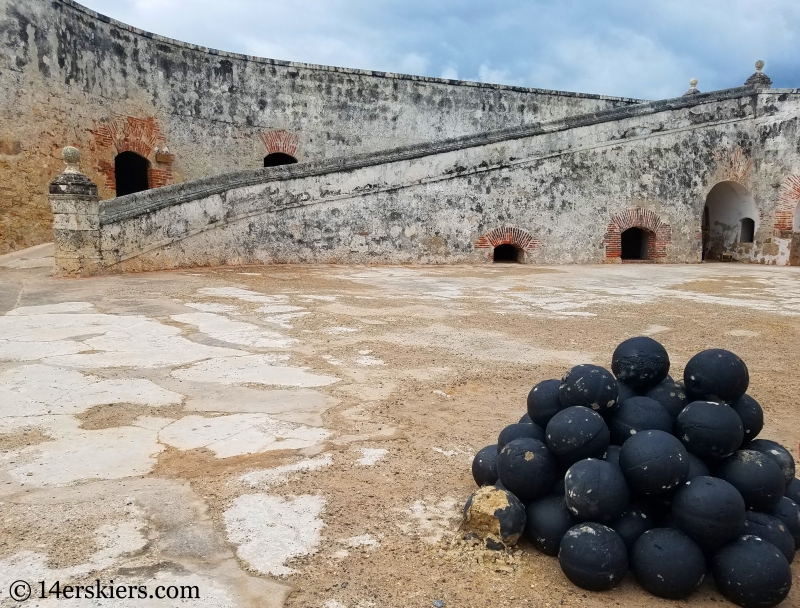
(637,217)
(521,239)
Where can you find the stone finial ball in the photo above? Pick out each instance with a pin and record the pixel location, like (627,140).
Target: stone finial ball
(759,65)
(693,82)
(71,155)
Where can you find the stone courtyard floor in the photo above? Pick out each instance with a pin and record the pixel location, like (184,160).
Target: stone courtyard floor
(302,435)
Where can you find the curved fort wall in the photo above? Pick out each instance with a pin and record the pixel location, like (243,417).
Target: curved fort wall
(561,192)
(71,76)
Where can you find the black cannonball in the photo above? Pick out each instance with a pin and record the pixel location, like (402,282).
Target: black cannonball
(499,485)
(612,455)
(548,519)
(751,414)
(543,402)
(496,515)
(697,468)
(758,478)
(526,419)
(709,430)
(752,573)
(635,415)
(631,525)
(772,530)
(595,490)
(715,373)
(667,563)
(788,512)
(576,433)
(484,466)
(641,363)
(776,452)
(527,469)
(624,392)
(519,431)
(710,510)
(654,462)
(593,556)
(591,386)
(793,490)
(670,395)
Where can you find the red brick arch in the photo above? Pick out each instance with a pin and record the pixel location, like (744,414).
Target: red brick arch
(788,202)
(637,217)
(506,236)
(279,140)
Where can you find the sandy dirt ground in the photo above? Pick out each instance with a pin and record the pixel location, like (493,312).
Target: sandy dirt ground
(302,436)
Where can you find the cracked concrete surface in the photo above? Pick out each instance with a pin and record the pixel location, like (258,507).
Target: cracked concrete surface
(301,436)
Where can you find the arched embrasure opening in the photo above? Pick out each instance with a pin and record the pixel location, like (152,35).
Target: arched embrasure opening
(635,244)
(131,173)
(729,217)
(277,159)
(507,254)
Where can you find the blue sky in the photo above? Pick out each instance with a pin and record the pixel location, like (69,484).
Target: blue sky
(646,48)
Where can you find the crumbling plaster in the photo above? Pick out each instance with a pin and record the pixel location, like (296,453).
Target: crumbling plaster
(73,77)
(561,182)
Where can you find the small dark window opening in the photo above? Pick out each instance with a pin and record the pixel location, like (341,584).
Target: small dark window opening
(508,254)
(748,230)
(130,173)
(278,158)
(634,244)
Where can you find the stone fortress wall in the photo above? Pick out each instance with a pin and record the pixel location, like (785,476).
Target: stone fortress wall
(71,76)
(562,192)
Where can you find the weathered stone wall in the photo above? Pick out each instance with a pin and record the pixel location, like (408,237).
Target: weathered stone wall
(562,192)
(71,76)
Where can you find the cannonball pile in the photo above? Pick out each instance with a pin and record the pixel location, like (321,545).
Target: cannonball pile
(632,470)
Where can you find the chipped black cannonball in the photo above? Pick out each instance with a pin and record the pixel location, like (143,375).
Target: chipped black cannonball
(548,519)
(697,468)
(612,455)
(591,386)
(772,530)
(635,415)
(495,515)
(776,452)
(715,373)
(752,573)
(595,490)
(624,392)
(669,394)
(788,511)
(527,469)
(709,430)
(576,433)
(641,363)
(526,419)
(519,431)
(667,563)
(654,462)
(710,511)
(543,402)
(631,525)
(793,490)
(752,416)
(593,557)
(484,466)
(757,477)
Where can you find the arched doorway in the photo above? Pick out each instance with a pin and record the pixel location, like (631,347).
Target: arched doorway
(635,244)
(277,159)
(507,254)
(730,218)
(131,173)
